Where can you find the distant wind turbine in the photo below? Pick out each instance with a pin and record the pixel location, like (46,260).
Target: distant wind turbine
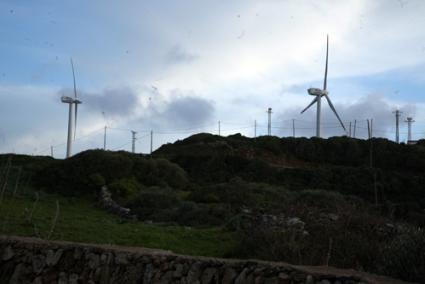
(319,93)
(71,101)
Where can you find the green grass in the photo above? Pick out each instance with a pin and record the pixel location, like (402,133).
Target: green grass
(80,221)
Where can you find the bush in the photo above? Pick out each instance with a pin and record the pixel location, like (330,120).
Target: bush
(403,256)
(87,171)
(124,188)
(192,214)
(148,204)
(96,180)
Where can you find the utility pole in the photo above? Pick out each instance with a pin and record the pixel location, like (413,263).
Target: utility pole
(51,151)
(349,131)
(255,129)
(219,128)
(409,121)
(397,118)
(368,129)
(104,139)
(269,126)
(354,130)
(293,128)
(151,140)
(133,138)
(370,132)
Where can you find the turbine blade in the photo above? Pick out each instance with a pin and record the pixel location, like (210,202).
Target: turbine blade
(314,100)
(334,110)
(326,66)
(73,76)
(75,119)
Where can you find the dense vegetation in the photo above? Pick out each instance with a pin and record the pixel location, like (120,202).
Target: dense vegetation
(395,180)
(342,201)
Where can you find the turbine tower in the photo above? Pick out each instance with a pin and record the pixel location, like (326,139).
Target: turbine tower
(319,93)
(409,121)
(397,118)
(71,101)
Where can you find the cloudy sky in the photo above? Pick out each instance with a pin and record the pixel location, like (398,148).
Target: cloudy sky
(179,67)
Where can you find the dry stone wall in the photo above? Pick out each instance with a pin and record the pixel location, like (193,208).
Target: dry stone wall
(28,260)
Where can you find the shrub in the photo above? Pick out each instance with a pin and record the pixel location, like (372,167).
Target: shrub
(403,256)
(147,204)
(124,188)
(96,180)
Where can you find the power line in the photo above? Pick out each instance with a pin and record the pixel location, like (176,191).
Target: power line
(113,149)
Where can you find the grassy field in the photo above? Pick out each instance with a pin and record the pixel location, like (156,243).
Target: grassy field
(79,220)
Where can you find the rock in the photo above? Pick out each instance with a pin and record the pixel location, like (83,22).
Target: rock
(250,279)
(309,280)
(295,222)
(93,260)
(241,279)
(78,252)
(52,257)
(149,273)
(7,253)
(229,275)
(210,275)
(284,278)
(104,275)
(106,201)
(38,280)
(63,279)
(167,277)
(178,273)
(259,280)
(121,259)
(134,273)
(283,275)
(19,275)
(299,277)
(273,280)
(73,279)
(194,273)
(333,217)
(38,263)
(50,277)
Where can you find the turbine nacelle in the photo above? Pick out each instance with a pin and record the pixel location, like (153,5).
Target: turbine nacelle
(67,100)
(317,92)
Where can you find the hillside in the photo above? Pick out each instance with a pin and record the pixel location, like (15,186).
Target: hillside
(304,201)
(338,164)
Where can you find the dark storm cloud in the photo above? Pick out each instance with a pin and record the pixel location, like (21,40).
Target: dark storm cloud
(187,111)
(178,54)
(178,110)
(369,107)
(114,101)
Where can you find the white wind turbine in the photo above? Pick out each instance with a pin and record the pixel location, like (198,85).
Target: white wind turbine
(319,93)
(71,101)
